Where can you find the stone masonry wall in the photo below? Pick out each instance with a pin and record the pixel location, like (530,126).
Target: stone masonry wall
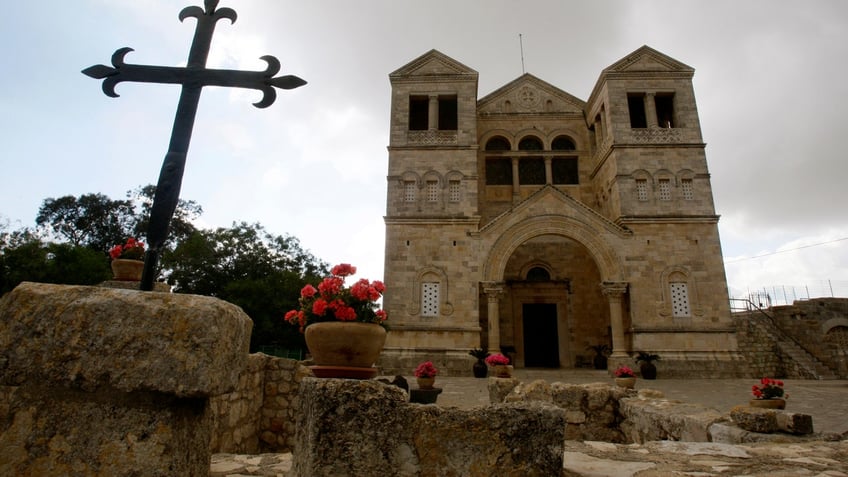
(809,322)
(259,415)
(804,321)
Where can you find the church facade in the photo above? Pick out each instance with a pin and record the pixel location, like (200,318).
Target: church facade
(541,224)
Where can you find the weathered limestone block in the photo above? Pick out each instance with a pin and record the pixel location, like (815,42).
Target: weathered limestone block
(661,419)
(352,428)
(58,431)
(88,337)
(499,388)
(538,390)
(771,420)
(754,419)
(100,381)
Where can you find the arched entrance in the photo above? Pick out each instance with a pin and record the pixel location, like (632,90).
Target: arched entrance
(552,306)
(549,293)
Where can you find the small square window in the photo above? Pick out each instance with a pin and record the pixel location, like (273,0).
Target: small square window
(430,299)
(642,189)
(665,189)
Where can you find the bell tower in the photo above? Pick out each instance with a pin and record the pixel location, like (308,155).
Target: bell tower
(431,208)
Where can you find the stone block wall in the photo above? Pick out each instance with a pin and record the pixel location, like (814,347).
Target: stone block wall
(810,323)
(259,415)
(99,381)
(355,428)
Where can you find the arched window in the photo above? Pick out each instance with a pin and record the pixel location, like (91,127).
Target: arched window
(563,143)
(538,274)
(530,143)
(498,143)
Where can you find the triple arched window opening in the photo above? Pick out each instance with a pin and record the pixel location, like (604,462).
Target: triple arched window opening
(532,169)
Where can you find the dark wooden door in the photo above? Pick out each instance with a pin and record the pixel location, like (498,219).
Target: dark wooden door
(541,341)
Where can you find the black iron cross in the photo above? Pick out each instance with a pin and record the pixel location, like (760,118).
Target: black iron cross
(193,77)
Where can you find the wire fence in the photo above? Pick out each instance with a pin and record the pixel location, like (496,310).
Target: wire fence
(776,295)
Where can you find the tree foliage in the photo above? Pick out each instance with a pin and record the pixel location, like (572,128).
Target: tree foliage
(243,264)
(247,266)
(90,220)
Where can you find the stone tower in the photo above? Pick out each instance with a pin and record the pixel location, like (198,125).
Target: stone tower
(536,223)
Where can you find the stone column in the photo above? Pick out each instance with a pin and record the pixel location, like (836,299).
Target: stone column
(433,113)
(549,175)
(516,185)
(493,293)
(651,110)
(614,291)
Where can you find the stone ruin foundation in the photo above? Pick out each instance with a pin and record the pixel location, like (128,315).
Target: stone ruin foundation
(99,381)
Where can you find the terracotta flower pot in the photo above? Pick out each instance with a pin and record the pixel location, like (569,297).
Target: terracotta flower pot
(127,270)
(426,383)
(345,349)
(502,370)
(627,383)
(772,403)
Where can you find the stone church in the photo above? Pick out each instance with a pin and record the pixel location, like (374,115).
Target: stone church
(538,223)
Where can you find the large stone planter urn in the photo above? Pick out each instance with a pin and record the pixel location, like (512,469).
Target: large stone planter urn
(345,349)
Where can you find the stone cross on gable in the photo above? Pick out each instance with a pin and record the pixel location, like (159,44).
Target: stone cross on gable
(193,77)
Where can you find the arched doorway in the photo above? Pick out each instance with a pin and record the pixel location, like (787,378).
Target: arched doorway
(552,307)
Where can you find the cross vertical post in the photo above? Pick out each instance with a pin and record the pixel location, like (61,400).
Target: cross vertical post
(193,77)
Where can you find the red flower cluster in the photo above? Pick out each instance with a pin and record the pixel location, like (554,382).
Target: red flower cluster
(133,250)
(331,301)
(768,389)
(426,370)
(624,372)
(497,359)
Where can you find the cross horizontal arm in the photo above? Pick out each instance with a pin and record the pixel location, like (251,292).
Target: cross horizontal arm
(259,80)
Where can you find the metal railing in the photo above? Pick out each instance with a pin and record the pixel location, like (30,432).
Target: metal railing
(776,295)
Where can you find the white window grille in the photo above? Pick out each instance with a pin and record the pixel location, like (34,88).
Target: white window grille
(432,191)
(453,191)
(409,191)
(430,299)
(688,192)
(665,189)
(642,189)
(679,300)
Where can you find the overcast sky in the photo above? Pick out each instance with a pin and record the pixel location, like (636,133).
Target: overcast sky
(769,81)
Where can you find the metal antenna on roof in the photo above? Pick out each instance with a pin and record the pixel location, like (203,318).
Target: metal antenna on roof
(521,44)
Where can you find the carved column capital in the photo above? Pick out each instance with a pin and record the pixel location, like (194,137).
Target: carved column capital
(614,290)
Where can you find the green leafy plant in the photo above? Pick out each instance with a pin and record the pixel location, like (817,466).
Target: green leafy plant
(479,353)
(646,357)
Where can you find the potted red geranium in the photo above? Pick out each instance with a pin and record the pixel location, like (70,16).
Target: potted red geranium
(343,326)
(500,365)
(425,373)
(127,260)
(625,377)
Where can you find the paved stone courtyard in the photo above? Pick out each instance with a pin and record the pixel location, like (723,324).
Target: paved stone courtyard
(824,400)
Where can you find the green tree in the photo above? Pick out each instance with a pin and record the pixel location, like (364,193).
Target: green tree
(247,266)
(25,257)
(92,220)
(181,227)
